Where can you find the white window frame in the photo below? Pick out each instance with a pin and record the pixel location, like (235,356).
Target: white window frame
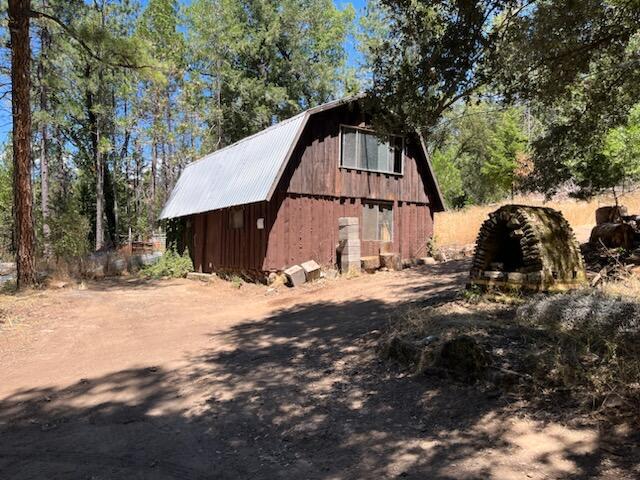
(378,204)
(369,130)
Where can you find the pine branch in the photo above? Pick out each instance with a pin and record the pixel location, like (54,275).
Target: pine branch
(73,34)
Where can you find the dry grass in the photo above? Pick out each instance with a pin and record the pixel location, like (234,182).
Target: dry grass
(460,227)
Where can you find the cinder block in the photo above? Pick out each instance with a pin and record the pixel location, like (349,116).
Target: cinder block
(349,243)
(202,277)
(295,276)
(516,277)
(311,270)
(347,221)
(349,267)
(493,275)
(349,232)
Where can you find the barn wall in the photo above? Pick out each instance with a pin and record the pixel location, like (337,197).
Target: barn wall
(315,166)
(306,227)
(215,246)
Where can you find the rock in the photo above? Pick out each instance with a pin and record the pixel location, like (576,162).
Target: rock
(58,284)
(311,270)
(370,264)
(295,276)
(429,339)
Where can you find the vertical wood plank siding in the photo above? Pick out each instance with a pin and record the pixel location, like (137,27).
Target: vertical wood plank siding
(301,220)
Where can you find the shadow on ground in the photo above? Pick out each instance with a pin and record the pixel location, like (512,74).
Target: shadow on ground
(300,395)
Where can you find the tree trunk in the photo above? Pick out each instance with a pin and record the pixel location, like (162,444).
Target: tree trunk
(44,143)
(99,192)
(20,105)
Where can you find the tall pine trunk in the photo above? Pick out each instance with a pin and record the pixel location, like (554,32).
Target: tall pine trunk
(44,142)
(94,127)
(19,11)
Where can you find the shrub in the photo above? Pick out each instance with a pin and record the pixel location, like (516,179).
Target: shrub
(171,264)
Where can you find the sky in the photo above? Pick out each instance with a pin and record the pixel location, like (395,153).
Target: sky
(353,60)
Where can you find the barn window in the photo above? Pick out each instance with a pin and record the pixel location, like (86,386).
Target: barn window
(236,218)
(363,150)
(377,222)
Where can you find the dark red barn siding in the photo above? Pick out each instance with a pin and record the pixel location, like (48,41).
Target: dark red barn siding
(301,219)
(307,228)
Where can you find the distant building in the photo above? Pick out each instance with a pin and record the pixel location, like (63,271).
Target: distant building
(273,199)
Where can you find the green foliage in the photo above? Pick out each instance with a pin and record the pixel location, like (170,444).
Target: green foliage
(478,153)
(574,63)
(621,150)
(446,165)
(6,204)
(70,230)
(171,264)
(577,65)
(267,60)
(175,230)
(507,143)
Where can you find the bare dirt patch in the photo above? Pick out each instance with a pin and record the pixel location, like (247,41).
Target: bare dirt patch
(177,379)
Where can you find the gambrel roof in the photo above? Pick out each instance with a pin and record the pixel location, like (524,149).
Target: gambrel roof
(246,172)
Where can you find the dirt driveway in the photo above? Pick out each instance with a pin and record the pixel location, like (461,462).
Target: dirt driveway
(181,380)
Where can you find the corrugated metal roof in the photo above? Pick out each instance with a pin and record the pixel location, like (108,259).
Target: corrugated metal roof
(235,175)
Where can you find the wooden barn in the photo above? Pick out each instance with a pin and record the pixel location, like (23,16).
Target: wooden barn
(273,199)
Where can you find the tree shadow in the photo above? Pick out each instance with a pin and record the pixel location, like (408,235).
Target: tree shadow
(301,394)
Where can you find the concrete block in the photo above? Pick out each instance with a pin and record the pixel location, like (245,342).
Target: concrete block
(342,221)
(349,243)
(311,270)
(295,276)
(202,277)
(349,232)
(349,267)
(516,277)
(370,264)
(492,275)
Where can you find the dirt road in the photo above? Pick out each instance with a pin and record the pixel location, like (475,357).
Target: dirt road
(181,380)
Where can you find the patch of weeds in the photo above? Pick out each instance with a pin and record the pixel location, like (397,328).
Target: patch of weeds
(472,294)
(170,264)
(475,294)
(9,287)
(236,281)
